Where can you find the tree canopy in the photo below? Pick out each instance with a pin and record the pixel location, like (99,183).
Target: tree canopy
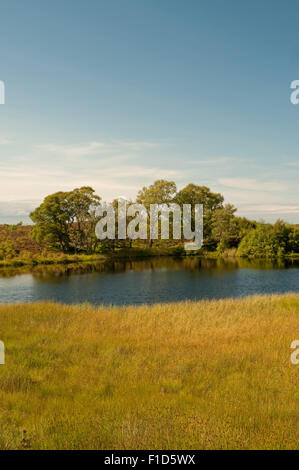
(66,220)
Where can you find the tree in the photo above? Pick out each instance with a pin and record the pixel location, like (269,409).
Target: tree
(194,194)
(261,242)
(67,220)
(52,219)
(7,249)
(293,239)
(83,204)
(244,225)
(160,192)
(225,227)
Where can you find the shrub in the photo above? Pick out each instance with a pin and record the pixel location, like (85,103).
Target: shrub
(7,249)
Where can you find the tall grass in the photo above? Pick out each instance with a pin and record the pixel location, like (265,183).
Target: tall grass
(204,375)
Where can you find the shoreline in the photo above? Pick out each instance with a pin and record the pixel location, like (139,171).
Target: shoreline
(130,254)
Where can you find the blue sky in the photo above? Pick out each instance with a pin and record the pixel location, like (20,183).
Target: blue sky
(118,93)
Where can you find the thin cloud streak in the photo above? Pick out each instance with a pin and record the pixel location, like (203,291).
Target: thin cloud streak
(97,148)
(114,167)
(251,184)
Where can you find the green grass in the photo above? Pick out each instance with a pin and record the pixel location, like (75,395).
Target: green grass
(29,259)
(33,259)
(205,375)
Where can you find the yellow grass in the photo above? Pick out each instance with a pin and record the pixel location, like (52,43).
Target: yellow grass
(205,375)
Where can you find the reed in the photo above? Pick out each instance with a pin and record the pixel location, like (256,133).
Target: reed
(191,375)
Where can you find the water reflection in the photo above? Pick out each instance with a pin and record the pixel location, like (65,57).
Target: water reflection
(192,263)
(149,280)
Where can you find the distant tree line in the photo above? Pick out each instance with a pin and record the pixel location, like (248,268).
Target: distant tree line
(67,220)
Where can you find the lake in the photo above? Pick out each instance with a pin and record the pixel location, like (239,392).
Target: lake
(152,280)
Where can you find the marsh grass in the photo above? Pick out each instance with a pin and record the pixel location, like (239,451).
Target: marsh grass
(202,375)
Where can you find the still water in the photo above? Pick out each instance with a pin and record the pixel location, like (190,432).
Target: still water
(149,281)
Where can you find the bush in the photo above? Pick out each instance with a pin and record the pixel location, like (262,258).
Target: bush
(178,250)
(7,249)
(264,242)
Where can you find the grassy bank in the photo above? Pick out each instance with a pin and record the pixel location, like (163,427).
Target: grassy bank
(29,259)
(212,374)
(18,248)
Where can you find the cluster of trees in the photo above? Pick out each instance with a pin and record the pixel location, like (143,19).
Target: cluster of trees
(268,240)
(67,220)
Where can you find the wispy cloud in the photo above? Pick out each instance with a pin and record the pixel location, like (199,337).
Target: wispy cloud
(270,212)
(114,167)
(252,184)
(110,167)
(273,208)
(71,150)
(218,160)
(97,148)
(5,141)
(16,211)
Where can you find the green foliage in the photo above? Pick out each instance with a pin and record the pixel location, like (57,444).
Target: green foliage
(225,228)
(67,220)
(264,241)
(160,192)
(268,240)
(7,249)
(293,239)
(52,220)
(178,250)
(194,194)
